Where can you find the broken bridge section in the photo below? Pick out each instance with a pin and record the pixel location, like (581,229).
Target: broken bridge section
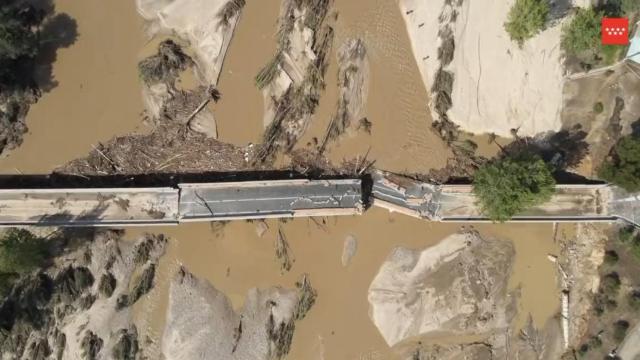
(269,199)
(89,207)
(598,202)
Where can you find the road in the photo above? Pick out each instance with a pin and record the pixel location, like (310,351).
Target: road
(83,207)
(260,199)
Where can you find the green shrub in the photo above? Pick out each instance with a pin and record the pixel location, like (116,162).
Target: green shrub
(610,284)
(620,328)
(610,53)
(595,342)
(526,18)
(21,251)
(626,234)
(598,107)
(508,186)
(622,167)
(611,257)
(582,34)
(630,6)
(583,350)
(635,247)
(634,299)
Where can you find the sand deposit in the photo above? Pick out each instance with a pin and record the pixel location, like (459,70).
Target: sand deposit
(197,21)
(458,286)
(497,86)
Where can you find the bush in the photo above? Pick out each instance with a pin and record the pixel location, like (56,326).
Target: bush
(611,257)
(610,284)
(598,107)
(630,6)
(510,185)
(21,252)
(595,342)
(634,300)
(582,34)
(635,247)
(626,234)
(620,328)
(526,18)
(622,167)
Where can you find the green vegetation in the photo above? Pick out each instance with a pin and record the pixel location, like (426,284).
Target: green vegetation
(620,328)
(18,39)
(610,284)
(622,167)
(582,34)
(20,253)
(526,18)
(634,300)
(611,257)
(508,186)
(630,6)
(598,107)
(625,234)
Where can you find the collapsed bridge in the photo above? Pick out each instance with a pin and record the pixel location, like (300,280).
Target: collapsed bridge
(222,201)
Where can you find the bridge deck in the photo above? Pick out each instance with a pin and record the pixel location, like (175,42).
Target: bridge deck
(88,206)
(458,203)
(261,199)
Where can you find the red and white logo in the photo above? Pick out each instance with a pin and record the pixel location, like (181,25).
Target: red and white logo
(615,31)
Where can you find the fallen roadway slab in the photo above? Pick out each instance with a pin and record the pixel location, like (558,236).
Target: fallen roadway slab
(268,199)
(89,207)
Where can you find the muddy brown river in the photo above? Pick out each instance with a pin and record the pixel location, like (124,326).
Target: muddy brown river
(98,93)
(98,97)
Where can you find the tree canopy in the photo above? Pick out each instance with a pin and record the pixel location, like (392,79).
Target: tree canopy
(18,37)
(510,185)
(21,251)
(622,167)
(582,34)
(526,18)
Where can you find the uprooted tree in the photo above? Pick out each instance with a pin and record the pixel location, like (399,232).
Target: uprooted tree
(526,18)
(622,166)
(510,185)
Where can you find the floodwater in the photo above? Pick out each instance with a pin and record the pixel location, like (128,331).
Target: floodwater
(98,94)
(401,137)
(239,113)
(234,259)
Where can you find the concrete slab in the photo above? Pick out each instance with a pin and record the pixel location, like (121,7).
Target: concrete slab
(264,199)
(86,207)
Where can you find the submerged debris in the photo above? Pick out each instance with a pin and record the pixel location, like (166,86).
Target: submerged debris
(126,348)
(168,148)
(306,297)
(353,83)
(166,65)
(303,62)
(91,345)
(230,10)
(282,251)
